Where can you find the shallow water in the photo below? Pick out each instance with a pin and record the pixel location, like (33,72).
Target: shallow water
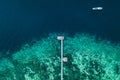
(27,21)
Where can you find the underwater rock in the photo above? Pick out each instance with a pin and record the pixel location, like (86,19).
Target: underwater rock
(87,59)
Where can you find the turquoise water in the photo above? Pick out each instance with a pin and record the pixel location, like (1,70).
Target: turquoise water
(88,59)
(29,49)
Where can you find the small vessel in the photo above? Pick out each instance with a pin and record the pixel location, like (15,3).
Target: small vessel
(97,8)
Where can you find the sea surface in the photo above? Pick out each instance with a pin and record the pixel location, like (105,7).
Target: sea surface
(22,21)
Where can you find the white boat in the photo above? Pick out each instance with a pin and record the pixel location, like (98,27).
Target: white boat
(97,8)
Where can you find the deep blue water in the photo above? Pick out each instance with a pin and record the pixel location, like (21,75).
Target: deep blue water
(24,20)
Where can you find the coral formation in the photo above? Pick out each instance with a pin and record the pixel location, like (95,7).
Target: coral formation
(88,59)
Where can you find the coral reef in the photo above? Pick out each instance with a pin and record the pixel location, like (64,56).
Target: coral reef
(88,59)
